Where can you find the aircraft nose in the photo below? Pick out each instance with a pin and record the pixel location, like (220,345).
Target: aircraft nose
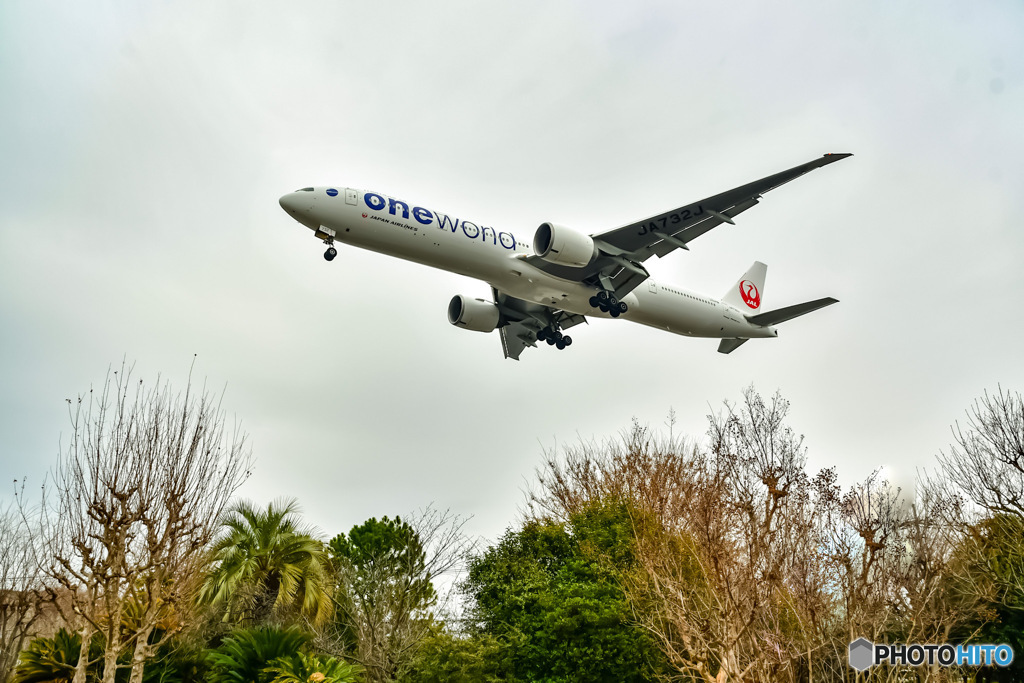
(299,205)
(290,202)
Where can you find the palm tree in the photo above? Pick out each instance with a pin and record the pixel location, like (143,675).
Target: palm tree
(264,564)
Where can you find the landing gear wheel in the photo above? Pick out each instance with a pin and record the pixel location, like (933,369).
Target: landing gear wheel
(543,334)
(550,341)
(567,340)
(608,303)
(560,344)
(330,253)
(623,307)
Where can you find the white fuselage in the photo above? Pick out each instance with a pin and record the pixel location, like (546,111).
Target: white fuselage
(391,226)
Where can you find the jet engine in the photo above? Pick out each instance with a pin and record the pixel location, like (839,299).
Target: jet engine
(563,246)
(473,314)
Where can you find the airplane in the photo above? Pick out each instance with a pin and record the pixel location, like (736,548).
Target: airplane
(554,282)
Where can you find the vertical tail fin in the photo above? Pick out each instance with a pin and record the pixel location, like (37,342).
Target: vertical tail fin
(746,294)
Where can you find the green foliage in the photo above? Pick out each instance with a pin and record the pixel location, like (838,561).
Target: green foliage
(552,595)
(995,560)
(303,668)
(243,657)
(265,565)
(446,658)
(385,592)
(387,550)
(385,541)
(178,661)
(47,660)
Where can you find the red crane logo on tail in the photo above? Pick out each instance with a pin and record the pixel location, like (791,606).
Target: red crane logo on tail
(751,297)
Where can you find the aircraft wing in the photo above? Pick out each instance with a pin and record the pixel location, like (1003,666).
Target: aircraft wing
(618,266)
(522,320)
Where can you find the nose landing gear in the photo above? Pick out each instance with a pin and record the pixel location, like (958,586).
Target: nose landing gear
(608,303)
(331,251)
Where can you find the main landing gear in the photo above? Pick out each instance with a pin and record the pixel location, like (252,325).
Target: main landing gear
(607,302)
(331,251)
(554,337)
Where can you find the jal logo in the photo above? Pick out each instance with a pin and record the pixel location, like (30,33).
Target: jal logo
(751,297)
(364,215)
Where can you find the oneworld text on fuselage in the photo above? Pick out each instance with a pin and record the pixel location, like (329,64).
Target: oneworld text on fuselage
(376,202)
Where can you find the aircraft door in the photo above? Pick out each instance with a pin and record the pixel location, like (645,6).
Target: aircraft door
(350,197)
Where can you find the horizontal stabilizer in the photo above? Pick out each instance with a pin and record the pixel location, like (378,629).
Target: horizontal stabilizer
(781,315)
(730,345)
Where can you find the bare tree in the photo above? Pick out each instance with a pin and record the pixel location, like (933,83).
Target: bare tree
(896,568)
(986,460)
(983,480)
(130,510)
(756,571)
(21,597)
(640,468)
(732,588)
(751,529)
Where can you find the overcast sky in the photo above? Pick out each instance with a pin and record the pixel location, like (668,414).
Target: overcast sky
(144,145)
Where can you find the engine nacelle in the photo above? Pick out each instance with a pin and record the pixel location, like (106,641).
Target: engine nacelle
(473,314)
(561,245)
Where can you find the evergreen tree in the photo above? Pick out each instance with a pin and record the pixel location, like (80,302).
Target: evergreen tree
(552,595)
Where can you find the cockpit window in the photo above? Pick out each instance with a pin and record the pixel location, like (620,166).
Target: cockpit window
(305,189)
